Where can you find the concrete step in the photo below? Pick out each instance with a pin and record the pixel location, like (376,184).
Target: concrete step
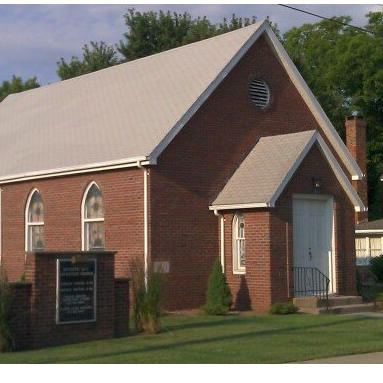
(346,309)
(341,300)
(311,302)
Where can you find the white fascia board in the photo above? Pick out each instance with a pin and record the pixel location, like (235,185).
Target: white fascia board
(293,169)
(315,108)
(375,231)
(241,206)
(208,91)
(341,177)
(89,168)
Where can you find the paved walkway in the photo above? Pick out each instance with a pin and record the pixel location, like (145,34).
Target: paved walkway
(371,358)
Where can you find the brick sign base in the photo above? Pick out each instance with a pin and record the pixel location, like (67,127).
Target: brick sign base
(37,301)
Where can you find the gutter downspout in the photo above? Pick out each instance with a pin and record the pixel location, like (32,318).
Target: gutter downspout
(1,228)
(222,232)
(146,230)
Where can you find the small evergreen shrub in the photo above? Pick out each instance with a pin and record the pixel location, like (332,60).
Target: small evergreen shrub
(218,295)
(147,297)
(376,265)
(283,308)
(6,340)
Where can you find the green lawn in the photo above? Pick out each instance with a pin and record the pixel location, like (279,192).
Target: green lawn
(229,339)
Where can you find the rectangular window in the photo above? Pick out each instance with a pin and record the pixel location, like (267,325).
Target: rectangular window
(375,246)
(362,256)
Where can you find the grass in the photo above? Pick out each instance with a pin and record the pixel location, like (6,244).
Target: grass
(227,339)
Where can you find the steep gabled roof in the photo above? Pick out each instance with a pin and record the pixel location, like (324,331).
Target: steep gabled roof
(266,171)
(128,113)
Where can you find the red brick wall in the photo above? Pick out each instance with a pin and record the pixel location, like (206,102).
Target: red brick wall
(203,156)
(123,201)
(269,241)
(253,289)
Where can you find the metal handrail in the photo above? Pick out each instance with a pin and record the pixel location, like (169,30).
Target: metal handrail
(311,281)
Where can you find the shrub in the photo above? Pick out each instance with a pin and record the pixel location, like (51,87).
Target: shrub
(218,296)
(379,297)
(147,297)
(376,264)
(6,340)
(283,308)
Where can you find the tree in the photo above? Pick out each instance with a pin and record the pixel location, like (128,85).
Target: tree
(344,69)
(98,56)
(16,85)
(152,32)
(218,296)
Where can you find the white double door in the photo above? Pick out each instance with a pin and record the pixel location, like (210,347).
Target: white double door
(313,233)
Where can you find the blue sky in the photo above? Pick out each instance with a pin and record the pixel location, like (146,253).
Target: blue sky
(34,37)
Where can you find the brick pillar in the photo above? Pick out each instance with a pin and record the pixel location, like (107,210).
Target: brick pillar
(357,146)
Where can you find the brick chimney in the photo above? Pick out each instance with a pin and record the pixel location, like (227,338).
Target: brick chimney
(357,145)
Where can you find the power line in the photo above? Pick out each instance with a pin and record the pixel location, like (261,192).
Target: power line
(329,19)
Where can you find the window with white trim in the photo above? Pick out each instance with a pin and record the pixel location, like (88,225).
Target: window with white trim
(239,254)
(362,256)
(34,222)
(375,246)
(93,219)
(367,248)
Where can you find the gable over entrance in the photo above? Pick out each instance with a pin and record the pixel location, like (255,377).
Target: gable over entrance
(266,171)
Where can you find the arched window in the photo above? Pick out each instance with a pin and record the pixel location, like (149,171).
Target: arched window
(34,222)
(93,227)
(239,251)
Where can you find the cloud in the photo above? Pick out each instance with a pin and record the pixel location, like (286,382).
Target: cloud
(34,37)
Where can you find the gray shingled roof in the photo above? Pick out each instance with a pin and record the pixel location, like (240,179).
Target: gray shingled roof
(117,113)
(260,175)
(114,117)
(372,225)
(265,172)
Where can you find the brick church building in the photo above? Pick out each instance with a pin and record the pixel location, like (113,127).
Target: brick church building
(213,149)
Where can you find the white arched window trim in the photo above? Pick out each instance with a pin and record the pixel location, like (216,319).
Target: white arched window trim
(238,243)
(28,224)
(84,244)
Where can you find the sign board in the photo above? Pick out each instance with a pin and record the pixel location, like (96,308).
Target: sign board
(76,291)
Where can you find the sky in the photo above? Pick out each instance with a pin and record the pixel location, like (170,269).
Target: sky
(34,37)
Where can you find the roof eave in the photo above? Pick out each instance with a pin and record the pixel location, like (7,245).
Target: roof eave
(255,205)
(88,168)
(372,231)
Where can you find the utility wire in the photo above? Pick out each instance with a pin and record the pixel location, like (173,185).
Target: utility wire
(329,19)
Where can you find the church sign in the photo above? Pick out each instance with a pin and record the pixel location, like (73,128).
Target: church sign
(76,291)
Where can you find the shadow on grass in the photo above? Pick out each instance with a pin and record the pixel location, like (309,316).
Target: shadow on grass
(229,337)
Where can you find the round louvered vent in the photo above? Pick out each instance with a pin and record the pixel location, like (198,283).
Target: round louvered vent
(259,93)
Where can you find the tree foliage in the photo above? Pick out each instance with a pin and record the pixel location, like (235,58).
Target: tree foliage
(152,32)
(97,56)
(344,69)
(16,85)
